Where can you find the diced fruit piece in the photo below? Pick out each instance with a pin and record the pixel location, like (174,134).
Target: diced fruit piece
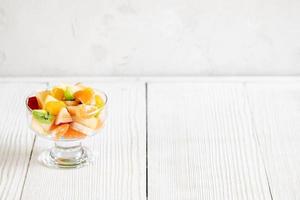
(47,127)
(63,117)
(97,113)
(33,103)
(99,101)
(83,111)
(74,134)
(41,128)
(58,93)
(69,94)
(36,126)
(88,122)
(85,96)
(81,128)
(50,98)
(41,96)
(53,107)
(87,111)
(72,109)
(60,130)
(71,103)
(53,127)
(42,116)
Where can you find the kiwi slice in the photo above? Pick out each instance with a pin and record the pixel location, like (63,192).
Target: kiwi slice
(69,94)
(43,116)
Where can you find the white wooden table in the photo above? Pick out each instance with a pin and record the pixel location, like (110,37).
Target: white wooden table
(166,138)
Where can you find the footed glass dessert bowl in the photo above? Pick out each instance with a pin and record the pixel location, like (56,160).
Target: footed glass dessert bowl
(66,114)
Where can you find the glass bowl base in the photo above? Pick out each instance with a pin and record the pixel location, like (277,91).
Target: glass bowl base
(66,156)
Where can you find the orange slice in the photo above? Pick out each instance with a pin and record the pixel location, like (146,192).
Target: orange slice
(73,134)
(58,93)
(85,96)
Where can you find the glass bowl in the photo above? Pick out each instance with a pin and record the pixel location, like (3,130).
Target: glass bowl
(68,151)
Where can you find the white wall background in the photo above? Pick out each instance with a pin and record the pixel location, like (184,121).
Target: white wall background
(149,37)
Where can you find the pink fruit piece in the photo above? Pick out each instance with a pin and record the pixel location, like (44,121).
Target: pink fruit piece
(63,117)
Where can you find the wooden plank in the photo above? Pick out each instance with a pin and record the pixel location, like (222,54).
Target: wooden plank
(119,169)
(201,143)
(276,115)
(15,138)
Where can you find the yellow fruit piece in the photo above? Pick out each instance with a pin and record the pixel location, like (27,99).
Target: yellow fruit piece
(99,101)
(58,93)
(53,107)
(49,98)
(85,96)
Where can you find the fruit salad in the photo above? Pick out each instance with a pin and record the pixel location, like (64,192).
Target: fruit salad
(67,112)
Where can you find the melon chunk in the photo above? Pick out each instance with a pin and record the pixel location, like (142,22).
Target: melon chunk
(88,122)
(81,128)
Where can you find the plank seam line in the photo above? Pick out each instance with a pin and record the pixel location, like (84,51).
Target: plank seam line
(257,139)
(146,102)
(28,165)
